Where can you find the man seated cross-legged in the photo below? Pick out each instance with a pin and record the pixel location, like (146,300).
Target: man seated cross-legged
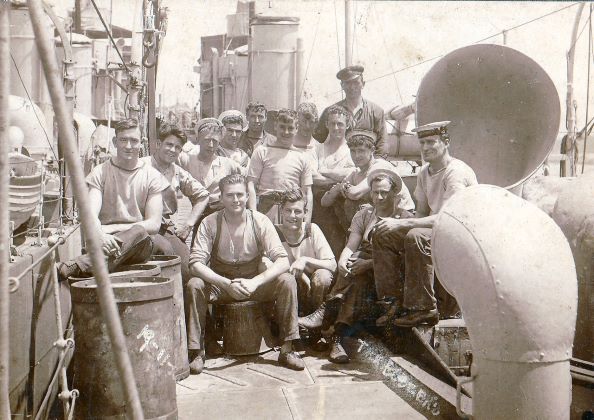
(354,289)
(226,260)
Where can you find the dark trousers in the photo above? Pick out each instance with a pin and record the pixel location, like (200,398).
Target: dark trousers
(282,291)
(416,291)
(136,247)
(356,293)
(169,244)
(319,284)
(327,220)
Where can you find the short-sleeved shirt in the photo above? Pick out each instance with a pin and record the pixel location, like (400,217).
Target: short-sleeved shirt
(125,192)
(237,155)
(248,145)
(263,228)
(309,151)
(273,168)
(364,220)
(340,159)
(434,190)
(179,180)
(368,117)
(313,245)
(209,177)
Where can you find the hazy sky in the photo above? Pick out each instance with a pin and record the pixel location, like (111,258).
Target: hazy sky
(389,36)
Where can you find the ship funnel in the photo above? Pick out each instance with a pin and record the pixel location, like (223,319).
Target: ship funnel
(511,270)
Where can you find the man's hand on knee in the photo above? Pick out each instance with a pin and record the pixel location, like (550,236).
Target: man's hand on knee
(111,245)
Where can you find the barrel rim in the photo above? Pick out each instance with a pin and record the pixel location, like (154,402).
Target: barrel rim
(85,291)
(173,260)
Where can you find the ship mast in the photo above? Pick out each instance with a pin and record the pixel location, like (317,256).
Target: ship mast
(571,146)
(348,33)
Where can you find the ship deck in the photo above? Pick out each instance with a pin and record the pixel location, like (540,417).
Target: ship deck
(256,387)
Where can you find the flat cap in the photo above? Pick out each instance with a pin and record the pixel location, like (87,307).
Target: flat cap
(432,129)
(383,167)
(350,73)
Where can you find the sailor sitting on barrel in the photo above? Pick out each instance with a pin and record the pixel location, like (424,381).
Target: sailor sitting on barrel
(438,180)
(125,197)
(226,258)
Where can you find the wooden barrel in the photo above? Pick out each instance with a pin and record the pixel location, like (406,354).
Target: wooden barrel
(145,306)
(171,268)
(134,270)
(245,329)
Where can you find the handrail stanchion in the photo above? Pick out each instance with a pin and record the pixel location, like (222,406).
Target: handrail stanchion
(104,290)
(4,215)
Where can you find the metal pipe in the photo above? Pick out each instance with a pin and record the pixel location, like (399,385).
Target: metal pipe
(60,328)
(250,64)
(570,117)
(348,34)
(104,290)
(4,213)
(521,308)
(215,83)
(299,71)
(68,344)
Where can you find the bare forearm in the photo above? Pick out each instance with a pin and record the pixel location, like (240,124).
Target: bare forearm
(205,273)
(280,266)
(337,174)
(252,200)
(313,264)
(197,210)
(309,197)
(120,227)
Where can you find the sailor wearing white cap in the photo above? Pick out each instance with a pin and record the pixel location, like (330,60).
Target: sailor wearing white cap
(439,179)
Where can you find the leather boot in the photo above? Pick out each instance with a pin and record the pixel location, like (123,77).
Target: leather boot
(337,352)
(315,319)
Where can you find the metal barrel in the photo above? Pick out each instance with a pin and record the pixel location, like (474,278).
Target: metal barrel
(171,268)
(145,308)
(133,270)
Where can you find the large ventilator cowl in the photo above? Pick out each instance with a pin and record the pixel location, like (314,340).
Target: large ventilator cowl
(512,272)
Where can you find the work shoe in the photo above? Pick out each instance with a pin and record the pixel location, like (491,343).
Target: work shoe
(69,269)
(291,360)
(337,352)
(414,318)
(391,310)
(315,319)
(197,361)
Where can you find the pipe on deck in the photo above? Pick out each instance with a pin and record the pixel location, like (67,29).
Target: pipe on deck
(104,290)
(512,272)
(4,211)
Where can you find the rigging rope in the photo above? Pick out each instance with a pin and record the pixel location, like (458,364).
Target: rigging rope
(587,89)
(33,107)
(109,34)
(476,42)
(311,51)
(378,19)
(337,41)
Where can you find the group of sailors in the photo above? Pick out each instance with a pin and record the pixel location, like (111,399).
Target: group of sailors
(270,213)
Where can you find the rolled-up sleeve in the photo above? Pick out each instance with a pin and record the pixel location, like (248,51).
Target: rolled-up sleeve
(202,245)
(273,248)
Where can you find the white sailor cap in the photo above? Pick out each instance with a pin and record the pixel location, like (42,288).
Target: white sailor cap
(383,167)
(432,129)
